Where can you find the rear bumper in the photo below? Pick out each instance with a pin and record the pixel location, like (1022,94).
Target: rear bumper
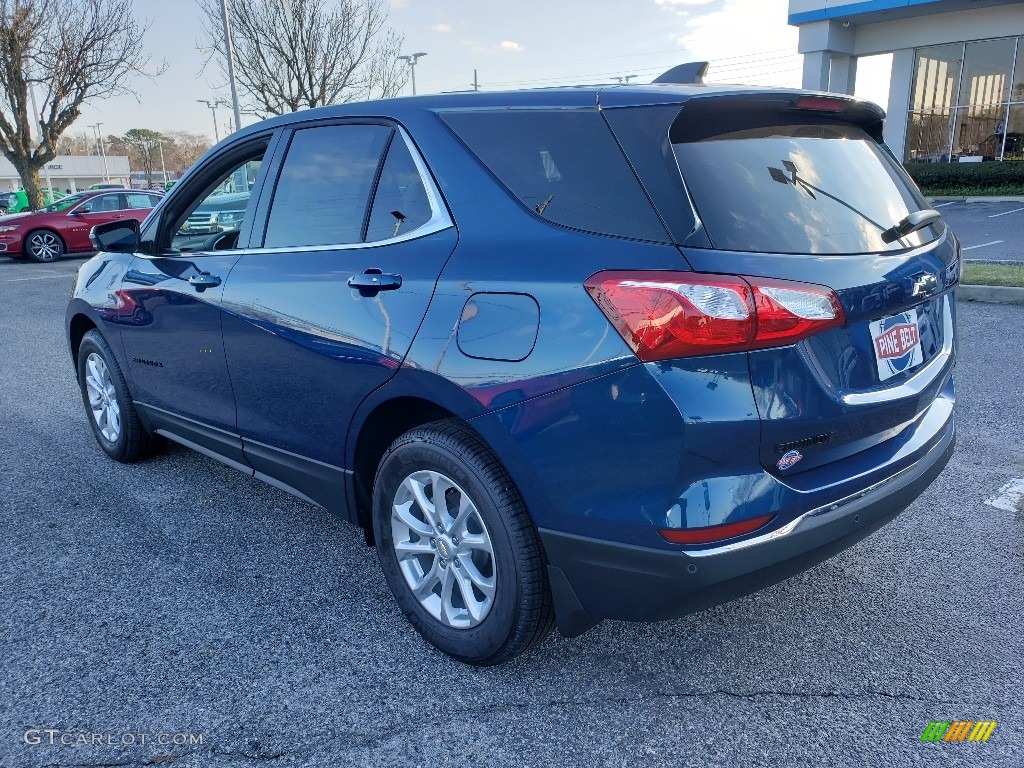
(593,579)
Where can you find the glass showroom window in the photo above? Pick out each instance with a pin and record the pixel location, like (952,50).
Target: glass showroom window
(964,102)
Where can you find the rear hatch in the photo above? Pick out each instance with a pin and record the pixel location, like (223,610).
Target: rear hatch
(800,188)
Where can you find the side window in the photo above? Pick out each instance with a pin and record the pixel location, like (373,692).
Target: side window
(139,200)
(564,165)
(324,188)
(401,203)
(212,220)
(153,200)
(107,203)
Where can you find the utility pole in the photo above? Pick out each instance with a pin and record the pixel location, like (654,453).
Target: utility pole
(230,50)
(103,151)
(411,59)
(476,83)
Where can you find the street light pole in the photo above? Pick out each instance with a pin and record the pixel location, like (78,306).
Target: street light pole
(213,108)
(411,59)
(230,50)
(163,167)
(103,150)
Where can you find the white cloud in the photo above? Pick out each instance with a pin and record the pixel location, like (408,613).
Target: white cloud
(442,28)
(508,45)
(684,2)
(734,35)
(398,4)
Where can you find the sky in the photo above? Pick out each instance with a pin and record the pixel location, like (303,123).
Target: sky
(511,44)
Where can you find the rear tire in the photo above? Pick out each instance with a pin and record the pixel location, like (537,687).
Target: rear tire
(108,403)
(43,246)
(470,575)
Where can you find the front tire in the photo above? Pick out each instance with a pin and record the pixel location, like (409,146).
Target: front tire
(44,246)
(468,573)
(108,403)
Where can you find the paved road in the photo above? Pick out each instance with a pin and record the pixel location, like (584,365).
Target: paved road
(178,596)
(987,230)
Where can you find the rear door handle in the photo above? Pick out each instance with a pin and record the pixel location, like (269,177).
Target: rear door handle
(203,280)
(373,280)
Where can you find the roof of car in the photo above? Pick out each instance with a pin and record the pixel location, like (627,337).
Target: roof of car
(617,95)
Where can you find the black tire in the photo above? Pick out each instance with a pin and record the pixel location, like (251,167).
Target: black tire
(43,246)
(132,442)
(521,612)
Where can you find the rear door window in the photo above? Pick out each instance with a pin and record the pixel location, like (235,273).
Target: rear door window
(564,165)
(400,205)
(796,187)
(324,188)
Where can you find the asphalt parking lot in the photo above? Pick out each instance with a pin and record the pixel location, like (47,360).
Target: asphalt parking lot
(179,597)
(987,230)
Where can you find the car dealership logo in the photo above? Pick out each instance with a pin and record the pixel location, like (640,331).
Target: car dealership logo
(897,342)
(789,458)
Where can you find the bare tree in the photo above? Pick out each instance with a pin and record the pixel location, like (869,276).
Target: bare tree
(293,54)
(185,148)
(71,52)
(78,143)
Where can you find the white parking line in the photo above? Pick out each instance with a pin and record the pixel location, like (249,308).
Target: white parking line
(1009,496)
(1006,213)
(972,247)
(942,204)
(23,279)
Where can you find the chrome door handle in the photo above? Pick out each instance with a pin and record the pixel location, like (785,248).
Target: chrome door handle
(203,280)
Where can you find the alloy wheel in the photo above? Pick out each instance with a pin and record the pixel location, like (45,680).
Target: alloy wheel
(106,413)
(44,246)
(443,549)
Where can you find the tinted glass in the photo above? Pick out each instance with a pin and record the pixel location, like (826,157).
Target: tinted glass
(400,204)
(214,221)
(813,188)
(140,200)
(324,187)
(564,165)
(102,203)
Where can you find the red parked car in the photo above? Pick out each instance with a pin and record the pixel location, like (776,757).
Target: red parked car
(64,226)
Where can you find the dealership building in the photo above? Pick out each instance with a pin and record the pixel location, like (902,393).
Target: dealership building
(956,92)
(70,172)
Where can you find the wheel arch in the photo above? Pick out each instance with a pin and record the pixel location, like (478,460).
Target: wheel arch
(381,427)
(78,325)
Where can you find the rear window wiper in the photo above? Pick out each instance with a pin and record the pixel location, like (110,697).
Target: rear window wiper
(909,224)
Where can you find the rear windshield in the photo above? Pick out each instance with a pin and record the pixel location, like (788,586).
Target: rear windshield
(809,187)
(564,165)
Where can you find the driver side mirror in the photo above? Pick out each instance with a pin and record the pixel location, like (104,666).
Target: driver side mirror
(120,236)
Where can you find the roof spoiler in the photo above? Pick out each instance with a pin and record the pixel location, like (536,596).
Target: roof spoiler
(691,73)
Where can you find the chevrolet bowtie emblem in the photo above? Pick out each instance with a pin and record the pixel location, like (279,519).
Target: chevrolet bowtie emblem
(924,285)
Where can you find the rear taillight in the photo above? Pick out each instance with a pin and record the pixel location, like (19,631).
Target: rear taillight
(665,315)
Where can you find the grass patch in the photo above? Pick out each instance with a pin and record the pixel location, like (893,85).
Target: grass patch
(1003,189)
(993,274)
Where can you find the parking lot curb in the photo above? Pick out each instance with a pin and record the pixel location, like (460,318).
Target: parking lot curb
(997,294)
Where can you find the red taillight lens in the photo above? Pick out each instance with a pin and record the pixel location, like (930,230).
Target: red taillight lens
(714,532)
(664,315)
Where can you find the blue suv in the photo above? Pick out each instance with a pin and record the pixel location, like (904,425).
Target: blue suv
(564,355)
